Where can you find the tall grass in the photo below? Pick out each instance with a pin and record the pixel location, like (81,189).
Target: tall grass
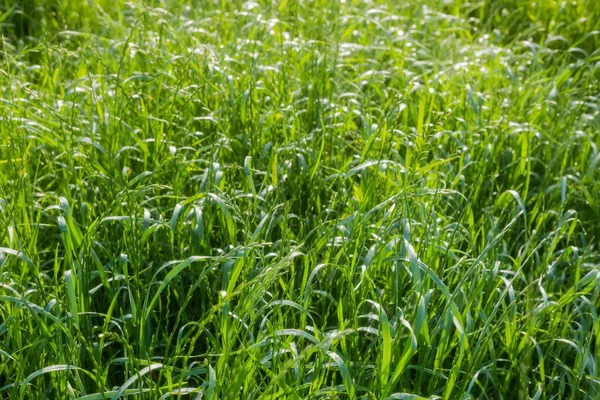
(359,199)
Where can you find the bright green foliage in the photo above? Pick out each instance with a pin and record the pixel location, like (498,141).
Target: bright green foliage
(295,199)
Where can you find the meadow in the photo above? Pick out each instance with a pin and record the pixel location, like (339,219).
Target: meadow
(350,199)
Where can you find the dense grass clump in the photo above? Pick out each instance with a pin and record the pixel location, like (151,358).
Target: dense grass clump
(299,199)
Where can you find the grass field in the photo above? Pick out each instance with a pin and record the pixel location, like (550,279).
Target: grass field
(356,199)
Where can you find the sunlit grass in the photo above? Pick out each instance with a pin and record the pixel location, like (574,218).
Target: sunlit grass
(299,199)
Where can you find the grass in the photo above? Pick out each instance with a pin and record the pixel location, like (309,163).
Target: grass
(299,199)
